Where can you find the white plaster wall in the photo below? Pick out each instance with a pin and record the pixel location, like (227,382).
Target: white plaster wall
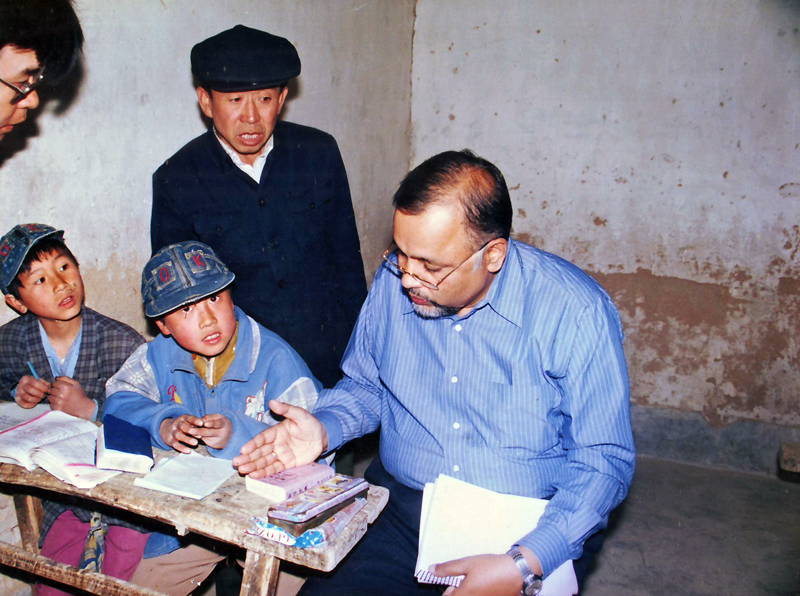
(656,145)
(88,170)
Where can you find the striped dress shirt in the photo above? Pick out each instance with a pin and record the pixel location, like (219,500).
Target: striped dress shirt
(527,394)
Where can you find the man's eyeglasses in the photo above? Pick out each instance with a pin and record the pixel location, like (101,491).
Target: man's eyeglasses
(26,88)
(428,284)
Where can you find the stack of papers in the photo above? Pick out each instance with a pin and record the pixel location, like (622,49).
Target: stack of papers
(461,520)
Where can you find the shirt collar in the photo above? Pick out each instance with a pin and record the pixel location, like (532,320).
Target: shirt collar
(505,295)
(257,168)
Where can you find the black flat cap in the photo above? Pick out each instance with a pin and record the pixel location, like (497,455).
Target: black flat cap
(243,59)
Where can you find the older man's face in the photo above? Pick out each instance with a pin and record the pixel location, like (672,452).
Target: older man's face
(245,120)
(17,67)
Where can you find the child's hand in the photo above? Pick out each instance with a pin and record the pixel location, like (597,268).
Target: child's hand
(30,391)
(216,430)
(180,432)
(67,395)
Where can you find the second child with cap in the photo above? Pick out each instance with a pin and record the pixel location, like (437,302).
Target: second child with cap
(206,379)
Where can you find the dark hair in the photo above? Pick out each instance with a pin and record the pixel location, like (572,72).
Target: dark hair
(41,249)
(477,184)
(48,27)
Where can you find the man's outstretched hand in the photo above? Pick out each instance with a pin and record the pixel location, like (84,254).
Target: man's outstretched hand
(297,440)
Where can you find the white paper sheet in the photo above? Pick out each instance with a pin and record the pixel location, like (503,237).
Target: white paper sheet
(189,475)
(461,520)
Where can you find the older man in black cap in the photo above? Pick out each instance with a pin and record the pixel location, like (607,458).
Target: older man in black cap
(270,197)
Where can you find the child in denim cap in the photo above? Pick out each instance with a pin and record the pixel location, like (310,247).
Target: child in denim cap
(206,379)
(62,352)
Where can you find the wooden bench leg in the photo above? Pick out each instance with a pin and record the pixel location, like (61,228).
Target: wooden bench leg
(260,575)
(29,518)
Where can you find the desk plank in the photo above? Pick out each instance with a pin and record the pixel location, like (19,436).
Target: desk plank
(223,515)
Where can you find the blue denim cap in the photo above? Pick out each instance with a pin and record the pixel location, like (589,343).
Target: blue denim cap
(180,274)
(16,245)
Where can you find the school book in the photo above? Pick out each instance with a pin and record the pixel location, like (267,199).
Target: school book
(71,460)
(188,474)
(312,502)
(61,444)
(123,446)
(17,442)
(460,520)
(288,483)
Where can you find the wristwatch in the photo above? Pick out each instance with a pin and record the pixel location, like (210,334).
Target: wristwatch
(531,583)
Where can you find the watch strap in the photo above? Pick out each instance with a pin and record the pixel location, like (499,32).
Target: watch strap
(531,583)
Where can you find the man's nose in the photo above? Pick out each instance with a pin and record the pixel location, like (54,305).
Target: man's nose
(30,101)
(250,111)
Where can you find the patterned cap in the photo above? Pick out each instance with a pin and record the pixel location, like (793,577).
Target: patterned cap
(16,245)
(180,274)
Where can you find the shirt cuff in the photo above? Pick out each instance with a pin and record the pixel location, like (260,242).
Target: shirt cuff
(549,546)
(333,429)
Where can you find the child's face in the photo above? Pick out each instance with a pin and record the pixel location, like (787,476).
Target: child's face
(205,327)
(52,289)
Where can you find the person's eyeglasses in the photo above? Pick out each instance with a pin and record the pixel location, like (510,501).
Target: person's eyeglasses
(26,88)
(428,284)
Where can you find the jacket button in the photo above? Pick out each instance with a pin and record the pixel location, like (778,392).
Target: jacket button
(281,283)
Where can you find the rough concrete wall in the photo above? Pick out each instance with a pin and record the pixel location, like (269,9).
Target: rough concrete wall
(656,145)
(88,168)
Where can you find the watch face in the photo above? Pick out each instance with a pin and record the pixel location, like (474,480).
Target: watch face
(533,587)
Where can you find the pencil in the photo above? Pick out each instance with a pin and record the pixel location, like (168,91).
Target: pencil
(33,370)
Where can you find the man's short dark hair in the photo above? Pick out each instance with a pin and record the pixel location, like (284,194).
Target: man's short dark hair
(477,183)
(48,27)
(40,250)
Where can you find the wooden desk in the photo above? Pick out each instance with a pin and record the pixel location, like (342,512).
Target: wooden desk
(222,516)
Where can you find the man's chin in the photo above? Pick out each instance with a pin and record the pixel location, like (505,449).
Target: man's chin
(433,311)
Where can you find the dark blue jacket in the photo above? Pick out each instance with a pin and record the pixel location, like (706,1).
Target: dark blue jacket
(291,240)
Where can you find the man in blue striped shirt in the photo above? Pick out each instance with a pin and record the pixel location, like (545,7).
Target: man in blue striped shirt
(478,357)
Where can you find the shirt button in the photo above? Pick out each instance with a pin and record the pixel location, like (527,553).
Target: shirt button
(454,379)
(456,425)
(456,468)
(457,327)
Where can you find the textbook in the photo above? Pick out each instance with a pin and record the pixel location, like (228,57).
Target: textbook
(314,501)
(123,446)
(460,520)
(61,444)
(17,442)
(288,483)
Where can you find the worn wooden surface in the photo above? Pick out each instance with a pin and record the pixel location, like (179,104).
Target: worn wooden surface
(223,515)
(790,457)
(29,518)
(91,582)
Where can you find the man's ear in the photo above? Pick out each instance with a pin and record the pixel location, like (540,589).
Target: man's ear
(163,328)
(495,254)
(204,99)
(16,304)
